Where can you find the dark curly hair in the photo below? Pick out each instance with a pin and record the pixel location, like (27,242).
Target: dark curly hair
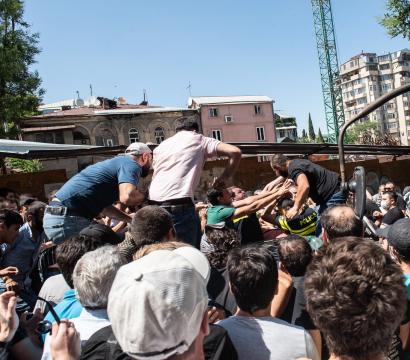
(356,297)
(222,240)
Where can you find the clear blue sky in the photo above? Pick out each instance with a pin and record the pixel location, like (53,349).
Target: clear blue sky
(223,47)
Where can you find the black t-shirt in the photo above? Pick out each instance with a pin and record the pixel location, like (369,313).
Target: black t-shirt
(103,345)
(295,312)
(218,289)
(248,229)
(392,216)
(323,183)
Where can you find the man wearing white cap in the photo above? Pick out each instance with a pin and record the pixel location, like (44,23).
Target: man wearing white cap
(158,305)
(94,190)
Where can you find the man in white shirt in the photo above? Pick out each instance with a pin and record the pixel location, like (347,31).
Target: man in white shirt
(255,334)
(178,163)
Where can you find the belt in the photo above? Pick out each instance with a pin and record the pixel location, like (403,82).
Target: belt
(56,207)
(186,202)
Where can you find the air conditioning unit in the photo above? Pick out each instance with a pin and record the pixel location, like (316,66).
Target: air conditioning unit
(228,118)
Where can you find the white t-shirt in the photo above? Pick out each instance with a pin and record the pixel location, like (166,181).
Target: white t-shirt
(178,163)
(268,338)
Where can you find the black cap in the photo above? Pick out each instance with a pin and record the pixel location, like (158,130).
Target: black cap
(102,232)
(398,235)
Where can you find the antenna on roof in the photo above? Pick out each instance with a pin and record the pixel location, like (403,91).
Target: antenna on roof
(144,94)
(189,88)
(78,94)
(91,90)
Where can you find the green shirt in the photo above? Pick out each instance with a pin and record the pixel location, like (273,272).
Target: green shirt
(219,213)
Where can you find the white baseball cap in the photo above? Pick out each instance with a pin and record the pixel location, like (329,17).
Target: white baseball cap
(157,303)
(137,148)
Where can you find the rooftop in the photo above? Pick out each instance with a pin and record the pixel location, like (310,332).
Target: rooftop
(211,100)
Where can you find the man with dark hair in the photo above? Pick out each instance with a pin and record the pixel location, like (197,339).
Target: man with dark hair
(391,211)
(253,277)
(151,224)
(312,180)
(390,187)
(95,190)
(356,298)
(24,251)
(340,221)
(295,255)
(178,163)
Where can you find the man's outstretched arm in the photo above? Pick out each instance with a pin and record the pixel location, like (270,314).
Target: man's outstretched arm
(234,154)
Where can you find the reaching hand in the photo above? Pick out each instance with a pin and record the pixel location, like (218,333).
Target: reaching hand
(9,271)
(65,341)
(30,325)
(9,320)
(292,212)
(215,314)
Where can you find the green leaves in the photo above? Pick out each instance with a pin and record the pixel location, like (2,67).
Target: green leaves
(20,92)
(397,19)
(26,166)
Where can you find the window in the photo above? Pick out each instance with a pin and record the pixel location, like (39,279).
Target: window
(217,134)
(281,133)
(213,112)
(384,66)
(260,133)
(109,142)
(228,118)
(134,135)
(406,113)
(391,116)
(159,135)
(392,125)
(258,109)
(386,87)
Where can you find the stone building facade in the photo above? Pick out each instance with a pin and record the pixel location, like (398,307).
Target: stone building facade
(102,127)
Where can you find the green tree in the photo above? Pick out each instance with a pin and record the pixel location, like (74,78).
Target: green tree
(23,165)
(312,135)
(361,132)
(304,135)
(397,19)
(319,138)
(20,92)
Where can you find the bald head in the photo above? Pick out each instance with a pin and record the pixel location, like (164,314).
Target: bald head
(340,221)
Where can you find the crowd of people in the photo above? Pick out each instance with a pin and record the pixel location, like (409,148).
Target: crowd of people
(107,270)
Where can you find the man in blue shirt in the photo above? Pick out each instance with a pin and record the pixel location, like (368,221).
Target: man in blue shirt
(95,190)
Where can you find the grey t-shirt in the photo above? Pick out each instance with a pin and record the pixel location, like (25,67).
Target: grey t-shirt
(266,338)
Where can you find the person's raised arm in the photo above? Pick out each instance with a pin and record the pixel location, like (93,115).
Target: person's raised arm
(234,154)
(130,195)
(259,203)
(302,194)
(114,213)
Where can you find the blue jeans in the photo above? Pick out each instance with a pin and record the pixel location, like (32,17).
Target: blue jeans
(336,199)
(187,225)
(59,228)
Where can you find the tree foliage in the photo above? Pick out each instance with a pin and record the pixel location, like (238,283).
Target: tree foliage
(367,133)
(312,135)
(23,165)
(20,92)
(319,138)
(397,19)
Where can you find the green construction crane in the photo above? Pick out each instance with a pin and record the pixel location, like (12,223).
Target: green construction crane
(329,67)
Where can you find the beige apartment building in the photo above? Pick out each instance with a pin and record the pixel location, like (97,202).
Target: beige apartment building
(366,77)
